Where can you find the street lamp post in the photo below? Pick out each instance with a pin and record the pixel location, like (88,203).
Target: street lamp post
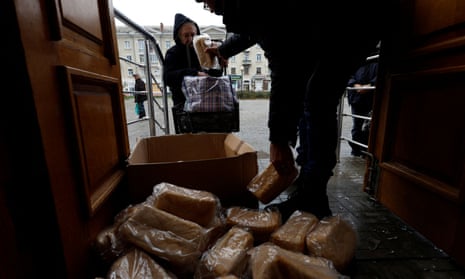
(242,78)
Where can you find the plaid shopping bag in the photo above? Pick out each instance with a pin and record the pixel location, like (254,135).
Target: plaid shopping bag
(209,94)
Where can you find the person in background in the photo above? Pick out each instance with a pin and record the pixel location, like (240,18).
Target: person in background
(322,65)
(139,97)
(361,102)
(181,60)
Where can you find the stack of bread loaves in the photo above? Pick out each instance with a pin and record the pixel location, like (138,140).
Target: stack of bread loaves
(180,232)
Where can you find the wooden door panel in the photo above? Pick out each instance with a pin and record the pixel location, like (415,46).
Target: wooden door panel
(418,136)
(74,76)
(82,15)
(432,16)
(95,114)
(426,140)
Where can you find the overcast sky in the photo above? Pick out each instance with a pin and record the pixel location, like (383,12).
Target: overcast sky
(153,12)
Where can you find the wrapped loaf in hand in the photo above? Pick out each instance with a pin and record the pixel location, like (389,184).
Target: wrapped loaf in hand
(207,61)
(269,184)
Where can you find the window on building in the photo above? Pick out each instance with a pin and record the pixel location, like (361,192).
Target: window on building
(141,58)
(130,72)
(233,70)
(232,59)
(246,70)
(259,71)
(153,58)
(127,45)
(167,44)
(259,57)
(141,45)
(129,57)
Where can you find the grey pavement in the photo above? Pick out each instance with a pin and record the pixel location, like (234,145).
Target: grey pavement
(253,126)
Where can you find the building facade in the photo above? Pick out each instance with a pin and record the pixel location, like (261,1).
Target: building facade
(248,70)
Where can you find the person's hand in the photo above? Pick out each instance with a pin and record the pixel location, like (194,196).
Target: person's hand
(210,4)
(213,51)
(282,158)
(201,74)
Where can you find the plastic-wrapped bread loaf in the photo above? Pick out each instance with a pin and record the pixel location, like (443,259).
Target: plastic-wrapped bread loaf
(201,207)
(291,235)
(334,239)
(201,42)
(109,245)
(269,261)
(261,223)
(227,256)
(268,184)
(179,241)
(137,265)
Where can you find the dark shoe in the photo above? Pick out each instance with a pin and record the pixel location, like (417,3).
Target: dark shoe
(320,208)
(313,197)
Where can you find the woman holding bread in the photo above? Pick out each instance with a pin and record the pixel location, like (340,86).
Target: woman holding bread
(181,60)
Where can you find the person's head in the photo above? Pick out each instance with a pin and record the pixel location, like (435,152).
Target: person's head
(136,76)
(184,30)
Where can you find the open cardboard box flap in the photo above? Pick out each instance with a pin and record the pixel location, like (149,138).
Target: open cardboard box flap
(220,163)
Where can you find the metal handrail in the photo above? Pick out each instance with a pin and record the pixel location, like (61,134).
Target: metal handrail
(372,162)
(342,114)
(149,41)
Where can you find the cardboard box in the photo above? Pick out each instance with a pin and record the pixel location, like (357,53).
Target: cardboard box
(220,163)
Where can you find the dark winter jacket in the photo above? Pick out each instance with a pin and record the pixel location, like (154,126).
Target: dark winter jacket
(139,86)
(180,61)
(280,31)
(366,74)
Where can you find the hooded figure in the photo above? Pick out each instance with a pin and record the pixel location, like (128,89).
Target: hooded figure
(181,59)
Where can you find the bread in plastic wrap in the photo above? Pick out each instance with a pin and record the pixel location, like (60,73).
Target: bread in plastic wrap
(268,184)
(207,61)
(167,236)
(109,245)
(291,235)
(269,261)
(260,222)
(333,238)
(201,207)
(227,277)
(136,264)
(228,256)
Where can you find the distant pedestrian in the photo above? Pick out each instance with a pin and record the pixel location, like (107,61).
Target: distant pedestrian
(139,97)
(361,102)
